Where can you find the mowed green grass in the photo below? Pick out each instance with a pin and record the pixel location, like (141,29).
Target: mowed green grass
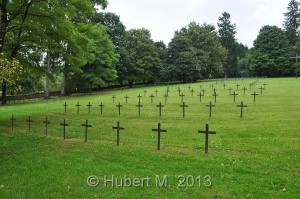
(253,157)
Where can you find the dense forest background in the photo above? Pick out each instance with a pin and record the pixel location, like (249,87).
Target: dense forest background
(73,47)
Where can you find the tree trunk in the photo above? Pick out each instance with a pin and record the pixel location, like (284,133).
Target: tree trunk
(47,93)
(65,79)
(3,93)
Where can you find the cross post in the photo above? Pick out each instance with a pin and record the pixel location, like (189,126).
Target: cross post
(210,108)
(158,130)
(183,108)
(65,105)
(12,122)
(86,125)
(101,108)
(206,136)
(119,108)
(64,124)
(254,96)
(160,106)
(29,123)
(126,97)
(89,107)
(241,106)
(234,94)
(46,122)
(78,105)
(118,132)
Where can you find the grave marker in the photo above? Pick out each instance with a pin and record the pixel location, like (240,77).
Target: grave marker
(244,89)
(89,107)
(237,86)
(29,123)
(152,96)
(224,86)
(158,130)
(179,91)
(119,108)
(183,108)
(192,91)
(207,132)
(139,96)
(210,108)
(254,96)
(145,92)
(86,125)
(12,122)
(200,96)
(264,84)
(139,108)
(215,96)
(203,90)
(189,88)
(234,94)
(65,105)
(160,106)
(261,88)
(101,107)
(46,122)
(241,106)
(166,97)
(114,97)
(64,124)
(157,91)
(126,97)
(78,105)
(118,132)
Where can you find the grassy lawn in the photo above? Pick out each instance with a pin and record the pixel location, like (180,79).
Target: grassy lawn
(253,157)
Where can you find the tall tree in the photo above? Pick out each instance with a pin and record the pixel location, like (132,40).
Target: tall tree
(141,63)
(194,52)
(227,36)
(270,53)
(292,22)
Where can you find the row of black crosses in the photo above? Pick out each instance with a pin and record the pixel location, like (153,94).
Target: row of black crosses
(160,106)
(159,130)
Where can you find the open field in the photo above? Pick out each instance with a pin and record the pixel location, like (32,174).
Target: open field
(253,157)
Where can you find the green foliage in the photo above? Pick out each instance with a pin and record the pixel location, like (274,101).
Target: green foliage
(292,22)
(227,36)
(141,58)
(195,52)
(11,70)
(270,54)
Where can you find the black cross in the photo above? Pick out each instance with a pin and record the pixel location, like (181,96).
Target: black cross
(215,95)
(86,125)
(89,105)
(114,97)
(158,130)
(78,105)
(224,86)
(244,90)
(160,106)
(265,85)
(206,136)
(230,89)
(157,91)
(254,96)
(152,97)
(210,107)
(192,91)
(118,132)
(46,122)
(167,91)
(261,88)
(101,107)
(139,108)
(65,105)
(166,97)
(189,88)
(12,122)
(145,92)
(119,108)
(181,95)
(183,108)
(237,86)
(200,96)
(139,96)
(215,90)
(242,106)
(203,90)
(234,94)
(64,124)
(29,123)
(126,97)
